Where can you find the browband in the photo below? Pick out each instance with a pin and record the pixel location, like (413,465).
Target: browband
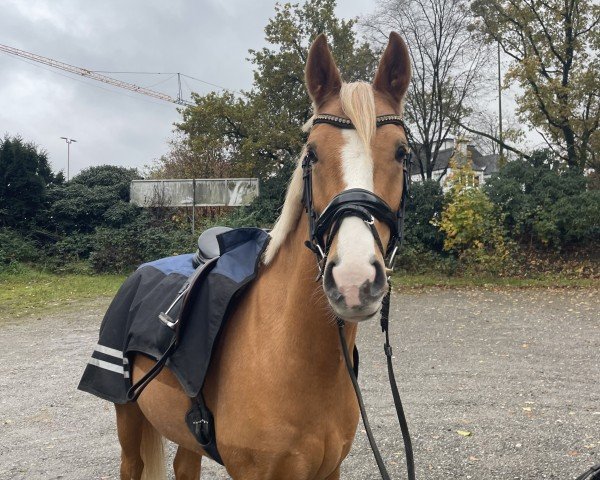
(341,122)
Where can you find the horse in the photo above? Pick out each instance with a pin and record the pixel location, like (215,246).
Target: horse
(283,403)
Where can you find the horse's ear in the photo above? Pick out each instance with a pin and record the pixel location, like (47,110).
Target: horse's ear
(393,74)
(322,76)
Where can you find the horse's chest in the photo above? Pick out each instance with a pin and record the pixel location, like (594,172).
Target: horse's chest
(290,435)
(287,453)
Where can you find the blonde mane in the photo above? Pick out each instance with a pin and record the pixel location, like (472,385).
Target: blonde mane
(358,104)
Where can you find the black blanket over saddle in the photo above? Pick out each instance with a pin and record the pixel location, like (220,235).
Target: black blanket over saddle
(131,324)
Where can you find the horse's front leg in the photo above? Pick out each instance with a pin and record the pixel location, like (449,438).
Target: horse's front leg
(335,475)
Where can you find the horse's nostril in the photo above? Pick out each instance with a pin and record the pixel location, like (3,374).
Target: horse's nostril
(328,280)
(380,277)
(336,295)
(374,290)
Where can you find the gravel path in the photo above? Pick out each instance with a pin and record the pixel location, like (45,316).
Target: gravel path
(516,371)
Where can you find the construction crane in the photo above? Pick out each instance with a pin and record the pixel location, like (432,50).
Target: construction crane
(94,75)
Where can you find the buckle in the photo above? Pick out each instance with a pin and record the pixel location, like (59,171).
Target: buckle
(390,265)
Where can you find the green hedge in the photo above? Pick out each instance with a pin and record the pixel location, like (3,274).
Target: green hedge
(124,249)
(16,248)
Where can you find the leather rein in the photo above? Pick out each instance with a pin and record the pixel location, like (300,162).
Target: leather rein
(367,206)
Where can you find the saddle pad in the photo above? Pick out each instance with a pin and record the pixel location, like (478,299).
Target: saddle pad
(131,324)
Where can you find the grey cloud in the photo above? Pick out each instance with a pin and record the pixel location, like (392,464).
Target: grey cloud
(207,39)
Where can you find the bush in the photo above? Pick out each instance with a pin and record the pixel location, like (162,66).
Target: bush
(120,213)
(70,248)
(118,179)
(124,249)
(577,218)
(97,197)
(16,248)
(543,204)
(416,259)
(472,224)
(424,206)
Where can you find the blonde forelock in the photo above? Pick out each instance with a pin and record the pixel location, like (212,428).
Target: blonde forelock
(358,103)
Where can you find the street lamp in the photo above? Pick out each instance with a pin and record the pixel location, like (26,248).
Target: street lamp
(69,141)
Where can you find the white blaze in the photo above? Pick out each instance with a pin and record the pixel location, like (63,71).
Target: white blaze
(355,244)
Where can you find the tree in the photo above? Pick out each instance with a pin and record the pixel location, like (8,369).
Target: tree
(116,178)
(25,175)
(449,67)
(258,131)
(471,222)
(555,51)
(487,137)
(185,161)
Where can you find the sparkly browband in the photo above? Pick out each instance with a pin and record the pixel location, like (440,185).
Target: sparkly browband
(342,122)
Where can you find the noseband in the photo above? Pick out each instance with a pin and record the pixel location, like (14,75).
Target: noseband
(354,202)
(357,202)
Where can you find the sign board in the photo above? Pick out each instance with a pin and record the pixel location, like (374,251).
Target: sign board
(211,192)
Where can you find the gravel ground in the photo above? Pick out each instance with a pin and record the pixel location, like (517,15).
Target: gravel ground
(516,371)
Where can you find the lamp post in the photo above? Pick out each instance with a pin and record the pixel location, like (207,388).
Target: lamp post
(69,141)
(500,102)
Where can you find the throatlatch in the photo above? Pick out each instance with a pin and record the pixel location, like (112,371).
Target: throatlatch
(323,228)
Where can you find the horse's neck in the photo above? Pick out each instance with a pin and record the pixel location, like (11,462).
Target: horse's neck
(298,309)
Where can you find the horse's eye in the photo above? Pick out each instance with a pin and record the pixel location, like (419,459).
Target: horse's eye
(401,153)
(312,155)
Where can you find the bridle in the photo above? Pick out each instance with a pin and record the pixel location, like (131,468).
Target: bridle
(357,202)
(354,202)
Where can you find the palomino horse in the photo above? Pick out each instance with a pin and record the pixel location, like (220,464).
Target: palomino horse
(283,403)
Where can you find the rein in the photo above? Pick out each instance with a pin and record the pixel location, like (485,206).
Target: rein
(367,206)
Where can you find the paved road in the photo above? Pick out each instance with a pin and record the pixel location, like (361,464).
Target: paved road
(517,369)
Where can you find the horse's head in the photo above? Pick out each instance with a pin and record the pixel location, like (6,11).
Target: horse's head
(369,157)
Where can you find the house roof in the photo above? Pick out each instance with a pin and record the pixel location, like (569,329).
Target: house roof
(487,164)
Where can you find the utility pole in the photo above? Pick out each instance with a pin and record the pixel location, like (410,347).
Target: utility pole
(69,141)
(500,102)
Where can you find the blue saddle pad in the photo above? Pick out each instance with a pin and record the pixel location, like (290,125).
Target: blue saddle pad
(131,324)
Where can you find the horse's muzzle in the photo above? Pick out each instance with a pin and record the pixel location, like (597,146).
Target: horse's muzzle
(355,296)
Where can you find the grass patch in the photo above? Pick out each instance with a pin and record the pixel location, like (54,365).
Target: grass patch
(434,280)
(29,292)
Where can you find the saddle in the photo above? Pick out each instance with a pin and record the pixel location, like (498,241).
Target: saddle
(208,245)
(199,418)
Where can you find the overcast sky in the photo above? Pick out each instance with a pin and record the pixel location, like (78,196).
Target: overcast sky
(206,39)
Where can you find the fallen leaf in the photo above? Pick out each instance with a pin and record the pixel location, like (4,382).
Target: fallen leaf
(464,433)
